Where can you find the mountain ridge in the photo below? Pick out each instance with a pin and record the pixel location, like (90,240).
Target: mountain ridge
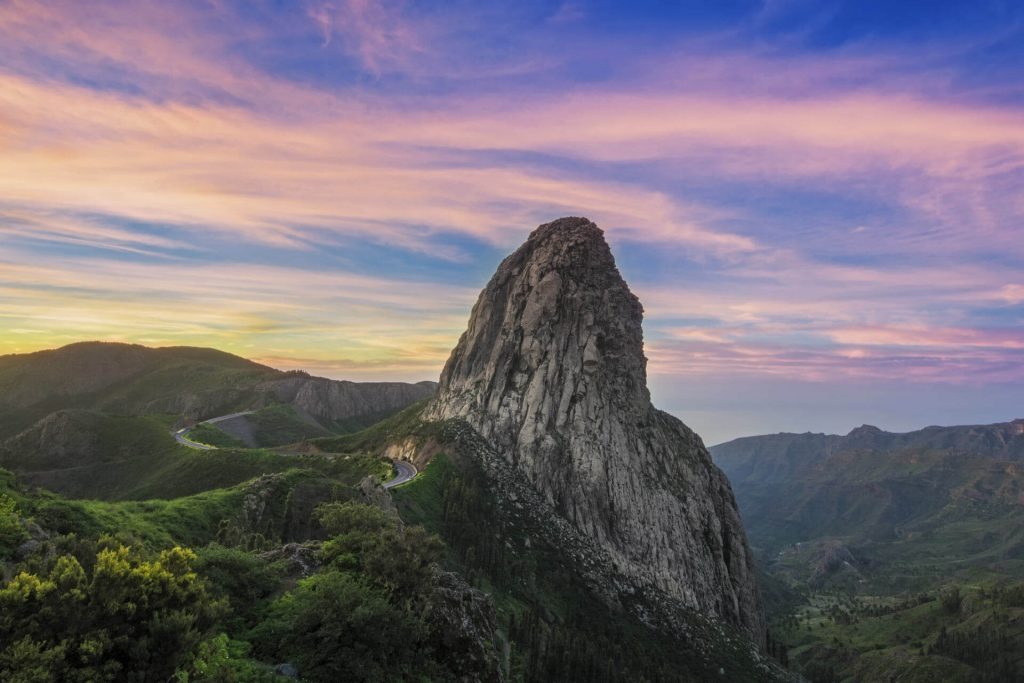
(192,382)
(770,456)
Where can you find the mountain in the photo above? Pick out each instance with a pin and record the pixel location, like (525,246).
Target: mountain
(782,456)
(877,487)
(560,528)
(551,374)
(192,383)
(897,556)
(93,419)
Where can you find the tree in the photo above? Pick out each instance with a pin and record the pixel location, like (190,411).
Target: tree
(339,627)
(952,600)
(12,531)
(373,541)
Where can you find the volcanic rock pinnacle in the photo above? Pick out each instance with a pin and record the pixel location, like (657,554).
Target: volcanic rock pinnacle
(551,372)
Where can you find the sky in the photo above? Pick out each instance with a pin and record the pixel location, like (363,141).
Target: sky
(819,203)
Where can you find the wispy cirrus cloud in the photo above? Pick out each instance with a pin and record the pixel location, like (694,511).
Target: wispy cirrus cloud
(848,212)
(379,33)
(256,310)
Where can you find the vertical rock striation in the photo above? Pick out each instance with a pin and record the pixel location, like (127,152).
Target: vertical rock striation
(551,372)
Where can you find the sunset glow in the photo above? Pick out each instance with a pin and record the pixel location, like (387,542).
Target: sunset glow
(829,209)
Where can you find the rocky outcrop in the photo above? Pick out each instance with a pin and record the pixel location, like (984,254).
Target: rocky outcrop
(463,627)
(330,401)
(551,373)
(278,509)
(62,439)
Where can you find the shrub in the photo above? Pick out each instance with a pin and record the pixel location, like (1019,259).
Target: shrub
(127,618)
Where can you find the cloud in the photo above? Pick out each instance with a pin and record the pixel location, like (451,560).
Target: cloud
(838,214)
(322,16)
(230,170)
(264,311)
(1012,294)
(379,33)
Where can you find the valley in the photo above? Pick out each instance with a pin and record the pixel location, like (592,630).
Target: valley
(894,555)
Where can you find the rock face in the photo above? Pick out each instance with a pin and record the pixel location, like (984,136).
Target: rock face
(55,441)
(463,628)
(329,400)
(551,372)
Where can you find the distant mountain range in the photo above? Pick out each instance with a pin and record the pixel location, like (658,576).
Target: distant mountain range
(890,556)
(954,495)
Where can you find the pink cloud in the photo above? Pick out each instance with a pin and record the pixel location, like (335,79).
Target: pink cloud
(929,337)
(211,143)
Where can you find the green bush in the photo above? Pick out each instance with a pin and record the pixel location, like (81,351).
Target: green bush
(127,618)
(12,530)
(373,541)
(339,627)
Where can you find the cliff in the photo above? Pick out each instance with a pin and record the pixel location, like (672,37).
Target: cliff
(551,373)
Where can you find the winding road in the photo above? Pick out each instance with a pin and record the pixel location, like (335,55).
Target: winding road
(405,471)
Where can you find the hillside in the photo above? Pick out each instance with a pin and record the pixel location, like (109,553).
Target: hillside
(94,419)
(562,528)
(872,529)
(245,583)
(85,454)
(188,383)
(874,486)
(501,599)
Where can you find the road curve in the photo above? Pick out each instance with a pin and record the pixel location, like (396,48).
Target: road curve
(180,437)
(406,471)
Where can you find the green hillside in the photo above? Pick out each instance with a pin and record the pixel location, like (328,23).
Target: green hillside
(123,379)
(190,384)
(94,420)
(548,624)
(971,632)
(277,424)
(201,587)
(868,531)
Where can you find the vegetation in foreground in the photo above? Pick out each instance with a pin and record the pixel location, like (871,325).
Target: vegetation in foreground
(93,602)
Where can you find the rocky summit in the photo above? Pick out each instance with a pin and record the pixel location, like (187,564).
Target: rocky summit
(551,372)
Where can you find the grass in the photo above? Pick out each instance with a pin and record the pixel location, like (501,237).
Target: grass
(420,500)
(212,435)
(193,519)
(280,424)
(407,422)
